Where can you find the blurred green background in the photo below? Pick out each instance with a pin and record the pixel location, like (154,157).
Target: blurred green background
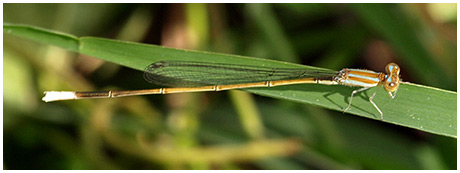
(221,130)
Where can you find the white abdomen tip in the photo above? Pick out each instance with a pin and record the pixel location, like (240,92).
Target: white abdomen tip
(58,95)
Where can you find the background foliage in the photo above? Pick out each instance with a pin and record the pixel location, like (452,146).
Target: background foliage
(226,130)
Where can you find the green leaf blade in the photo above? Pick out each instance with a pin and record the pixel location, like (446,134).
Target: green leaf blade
(63,40)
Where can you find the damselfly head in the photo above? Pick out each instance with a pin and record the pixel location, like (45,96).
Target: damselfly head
(391,83)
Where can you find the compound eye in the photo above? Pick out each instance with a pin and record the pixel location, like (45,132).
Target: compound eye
(392,68)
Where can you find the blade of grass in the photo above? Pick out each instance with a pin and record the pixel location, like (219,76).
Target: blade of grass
(420,107)
(263,17)
(55,38)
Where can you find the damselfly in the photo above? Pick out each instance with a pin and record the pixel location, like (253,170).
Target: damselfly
(189,76)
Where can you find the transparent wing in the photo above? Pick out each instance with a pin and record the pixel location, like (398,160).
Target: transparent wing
(190,73)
